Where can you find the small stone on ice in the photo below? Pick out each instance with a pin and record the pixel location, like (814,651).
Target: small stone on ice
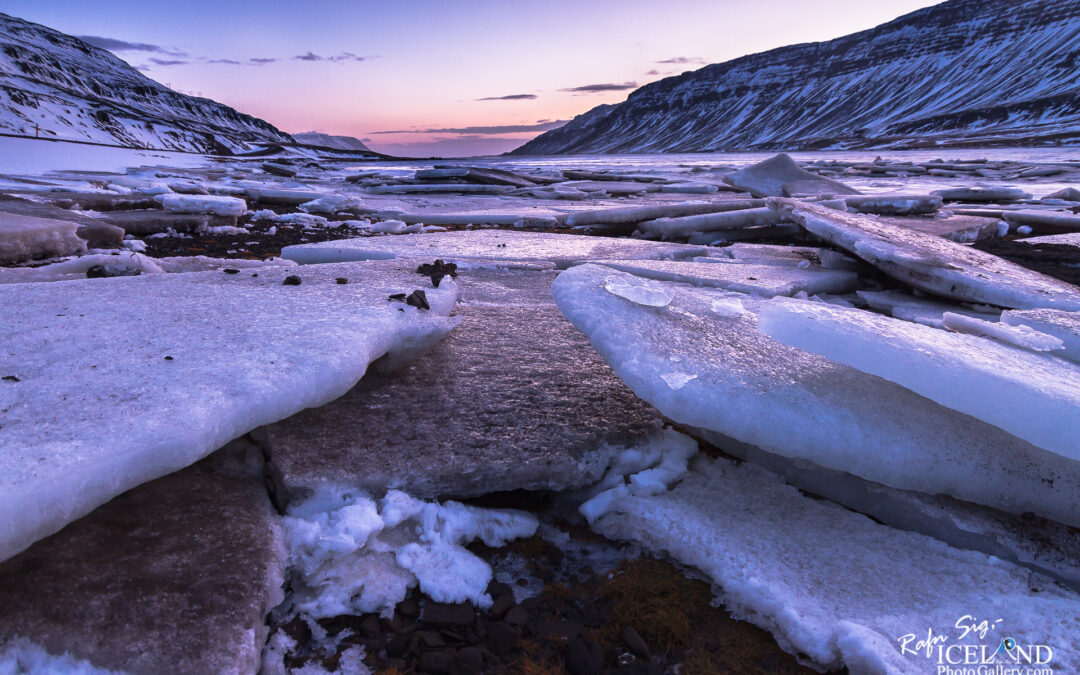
(638,291)
(291,280)
(677,380)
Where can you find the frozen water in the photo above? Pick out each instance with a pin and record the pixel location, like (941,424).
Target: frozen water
(672,228)
(894,205)
(127,264)
(799,405)
(28,238)
(834,586)
(629,215)
(780,176)
(918,310)
(1033,396)
(637,290)
(331,204)
(1054,220)
(933,264)
(208,204)
(21,656)
(560,249)
(1065,326)
(1020,336)
(355,554)
(101,393)
(731,275)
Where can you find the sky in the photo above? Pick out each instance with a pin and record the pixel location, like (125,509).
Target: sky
(449,78)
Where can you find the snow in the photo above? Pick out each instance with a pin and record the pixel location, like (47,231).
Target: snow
(209,204)
(933,264)
(127,264)
(1064,326)
(785,401)
(963,372)
(21,656)
(832,585)
(99,408)
(560,249)
(763,280)
(355,554)
(28,238)
(34,157)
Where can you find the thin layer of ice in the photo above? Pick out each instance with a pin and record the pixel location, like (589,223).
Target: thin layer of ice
(918,310)
(1065,326)
(933,264)
(835,587)
(799,405)
(100,393)
(1033,396)
(1019,336)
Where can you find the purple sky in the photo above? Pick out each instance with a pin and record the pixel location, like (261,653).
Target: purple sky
(422,78)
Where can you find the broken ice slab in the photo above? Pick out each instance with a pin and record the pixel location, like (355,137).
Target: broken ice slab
(491,408)
(721,237)
(690,188)
(100,392)
(894,205)
(780,176)
(1070,239)
(271,196)
(476,175)
(961,229)
(612,187)
(574,174)
(427,188)
(836,587)
(1063,325)
(1018,336)
(982,194)
(29,238)
(175,576)
(1046,222)
(631,215)
(1033,396)
(918,310)
(742,277)
(684,226)
(768,254)
(792,403)
(149,221)
(560,249)
(204,204)
(96,233)
(509,219)
(930,263)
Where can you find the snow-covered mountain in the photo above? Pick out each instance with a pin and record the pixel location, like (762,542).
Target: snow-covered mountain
(335,142)
(61,87)
(965,72)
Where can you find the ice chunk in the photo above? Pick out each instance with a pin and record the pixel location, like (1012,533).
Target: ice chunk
(763,280)
(282,197)
(331,204)
(477,219)
(23,656)
(894,205)
(833,585)
(677,380)
(1067,239)
(1064,326)
(638,290)
(982,194)
(101,393)
(29,238)
(561,249)
(919,310)
(1052,221)
(204,204)
(670,228)
(354,555)
(430,188)
(690,188)
(933,264)
(772,178)
(799,405)
(1020,336)
(962,372)
(728,306)
(631,215)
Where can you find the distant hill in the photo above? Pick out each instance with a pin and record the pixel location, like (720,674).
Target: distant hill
(69,89)
(328,141)
(965,72)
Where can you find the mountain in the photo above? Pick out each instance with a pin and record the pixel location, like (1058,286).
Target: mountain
(965,72)
(76,91)
(334,142)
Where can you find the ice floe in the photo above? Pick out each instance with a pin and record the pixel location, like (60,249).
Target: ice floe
(744,277)
(28,238)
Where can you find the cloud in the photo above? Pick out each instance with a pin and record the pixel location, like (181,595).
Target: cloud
(114,45)
(509,97)
(168,62)
(683,60)
(597,88)
(336,58)
(260,61)
(654,71)
(484,131)
(229,62)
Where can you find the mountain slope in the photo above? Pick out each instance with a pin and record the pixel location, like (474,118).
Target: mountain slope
(335,142)
(73,90)
(966,72)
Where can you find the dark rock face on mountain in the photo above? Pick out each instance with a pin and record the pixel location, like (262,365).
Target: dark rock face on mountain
(965,72)
(58,86)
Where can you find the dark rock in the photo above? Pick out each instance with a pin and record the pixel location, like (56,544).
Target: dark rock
(517,616)
(502,638)
(497,588)
(556,628)
(397,646)
(341,280)
(436,663)
(291,280)
(370,626)
(584,657)
(394,664)
(441,614)
(635,643)
(431,639)
(418,299)
(101,235)
(168,358)
(230,270)
(10,378)
(470,660)
(408,607)
(503,604)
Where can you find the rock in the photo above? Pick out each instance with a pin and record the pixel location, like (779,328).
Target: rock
(584,657)
(101,235)
(293,280)
(28,238)
(517,616)
(493,428)
(279,170)
(932,264)
(199,564)
(982,194)
(502,605)
(436,663)
(502,638)
(634,642)
(442,614)
(781,176)
(470,660)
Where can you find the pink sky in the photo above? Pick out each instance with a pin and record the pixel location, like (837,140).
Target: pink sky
(423,69)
